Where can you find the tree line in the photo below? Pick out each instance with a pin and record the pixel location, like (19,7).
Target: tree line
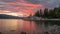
(48,13)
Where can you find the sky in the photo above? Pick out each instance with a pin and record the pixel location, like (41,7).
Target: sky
(27,6)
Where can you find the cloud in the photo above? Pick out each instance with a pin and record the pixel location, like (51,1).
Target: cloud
(46,3)
(33,1)
(9,0)
(19,5)
(28,6)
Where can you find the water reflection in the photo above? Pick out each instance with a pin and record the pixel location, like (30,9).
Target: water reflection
(30,27)
(18,26)
(8,25)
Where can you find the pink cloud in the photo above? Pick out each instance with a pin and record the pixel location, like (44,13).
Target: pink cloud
(22,6)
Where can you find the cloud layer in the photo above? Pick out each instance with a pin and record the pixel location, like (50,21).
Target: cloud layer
(27,6)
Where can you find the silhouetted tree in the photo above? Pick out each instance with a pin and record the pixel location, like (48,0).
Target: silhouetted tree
(57,12)
(37,14)
(52,13)
(45,12)
(40,13)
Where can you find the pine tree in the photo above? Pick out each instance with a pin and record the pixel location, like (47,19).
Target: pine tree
(40,13)
(37,14)
(45,12)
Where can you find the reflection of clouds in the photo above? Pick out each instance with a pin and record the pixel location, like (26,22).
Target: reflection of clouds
(7,25)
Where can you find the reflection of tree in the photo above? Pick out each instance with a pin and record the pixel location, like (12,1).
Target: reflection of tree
(0,33)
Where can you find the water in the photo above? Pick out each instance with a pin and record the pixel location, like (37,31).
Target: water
(17,26)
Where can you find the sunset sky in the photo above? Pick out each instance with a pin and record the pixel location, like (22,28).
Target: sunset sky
(26,7)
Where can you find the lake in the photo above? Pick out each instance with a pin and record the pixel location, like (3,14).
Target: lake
(19,26)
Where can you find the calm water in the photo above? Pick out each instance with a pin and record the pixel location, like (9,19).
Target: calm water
(16,26)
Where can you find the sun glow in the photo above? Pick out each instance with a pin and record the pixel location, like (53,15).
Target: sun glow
(13,14)
(8,13)
(19,14)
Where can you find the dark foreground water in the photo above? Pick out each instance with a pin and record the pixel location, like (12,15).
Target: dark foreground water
(19,26)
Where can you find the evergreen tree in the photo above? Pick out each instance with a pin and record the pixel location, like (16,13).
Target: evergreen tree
(37,14)
(40,13)
(45,12)
(57,12)
(52,13)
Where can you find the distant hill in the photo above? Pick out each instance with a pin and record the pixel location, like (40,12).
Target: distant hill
(4,16)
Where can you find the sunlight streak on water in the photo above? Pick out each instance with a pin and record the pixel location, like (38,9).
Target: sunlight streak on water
(16,26)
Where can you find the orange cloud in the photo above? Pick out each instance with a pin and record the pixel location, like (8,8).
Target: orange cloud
(28,8)
(33,5)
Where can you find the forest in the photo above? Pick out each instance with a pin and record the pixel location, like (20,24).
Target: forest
(48,13)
